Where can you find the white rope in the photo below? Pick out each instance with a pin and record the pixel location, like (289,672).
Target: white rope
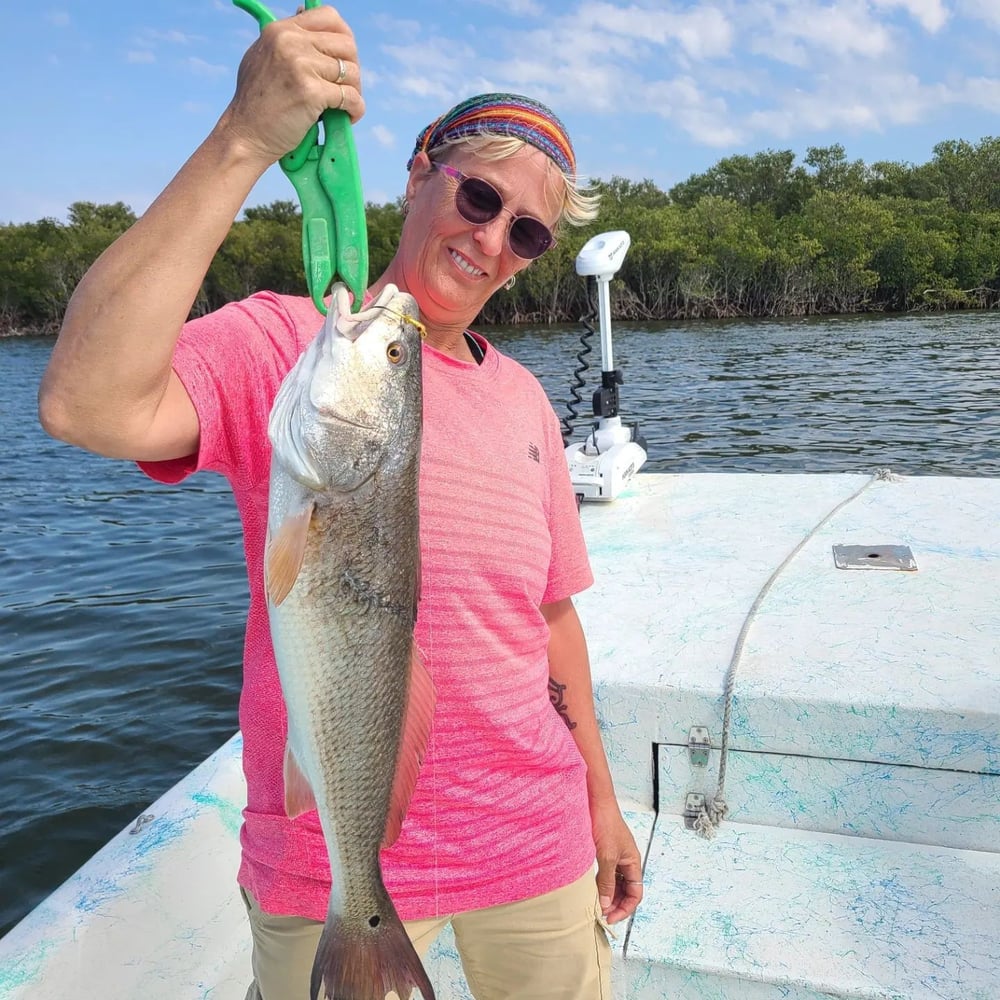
(712,813)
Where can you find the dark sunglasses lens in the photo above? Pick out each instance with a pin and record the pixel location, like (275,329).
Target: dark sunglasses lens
(529,238)
(478,201)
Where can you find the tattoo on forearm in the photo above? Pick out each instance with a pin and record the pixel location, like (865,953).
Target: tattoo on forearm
(556,692)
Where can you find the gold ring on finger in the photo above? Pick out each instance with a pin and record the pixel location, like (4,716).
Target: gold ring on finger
(343,97)
(342,72)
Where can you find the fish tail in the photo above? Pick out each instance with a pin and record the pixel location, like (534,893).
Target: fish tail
(366,963)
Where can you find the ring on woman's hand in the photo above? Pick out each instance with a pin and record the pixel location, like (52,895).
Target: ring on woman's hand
(343,97)
(628,881)
(342,74)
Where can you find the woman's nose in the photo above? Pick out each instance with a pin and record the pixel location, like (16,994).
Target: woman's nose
(491,235)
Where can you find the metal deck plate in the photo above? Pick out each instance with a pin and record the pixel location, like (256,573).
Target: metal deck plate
(898,557)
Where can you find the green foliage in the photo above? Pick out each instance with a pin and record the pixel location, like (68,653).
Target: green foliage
(832,172)
(969,176)
(385,222)
(915,254)
(848,228)
(753,236)
(258,253)
(768,178)
(29,296)
(42,262)
(283,212)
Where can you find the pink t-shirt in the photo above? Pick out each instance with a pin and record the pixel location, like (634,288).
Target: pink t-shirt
(500,810)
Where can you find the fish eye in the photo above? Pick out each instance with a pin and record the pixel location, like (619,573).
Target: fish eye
(396,352)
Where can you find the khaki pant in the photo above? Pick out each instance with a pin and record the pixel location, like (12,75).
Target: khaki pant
(552,947)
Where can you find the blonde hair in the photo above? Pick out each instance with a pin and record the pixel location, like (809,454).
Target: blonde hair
(578,206)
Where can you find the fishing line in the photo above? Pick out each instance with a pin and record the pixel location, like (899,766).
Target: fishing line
(406,318)
(425,568)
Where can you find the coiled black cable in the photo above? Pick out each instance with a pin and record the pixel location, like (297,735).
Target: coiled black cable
(581,357)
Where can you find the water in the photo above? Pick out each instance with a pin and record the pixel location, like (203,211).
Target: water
(122,602)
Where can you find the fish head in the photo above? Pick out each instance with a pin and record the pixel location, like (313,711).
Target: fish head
(352,402)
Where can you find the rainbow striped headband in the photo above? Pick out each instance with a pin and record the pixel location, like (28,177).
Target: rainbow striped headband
(502,114)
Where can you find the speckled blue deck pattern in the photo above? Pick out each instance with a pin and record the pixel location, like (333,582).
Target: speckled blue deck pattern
(763,913)
(859,856)
(863,778)
(155,914)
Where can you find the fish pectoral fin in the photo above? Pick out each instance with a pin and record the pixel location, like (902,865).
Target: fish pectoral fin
(416,731)
(299,796)
(284,553)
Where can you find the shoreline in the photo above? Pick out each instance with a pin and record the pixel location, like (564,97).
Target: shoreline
(11,333)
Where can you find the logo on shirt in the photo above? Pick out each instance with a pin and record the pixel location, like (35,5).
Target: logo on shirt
(533,453)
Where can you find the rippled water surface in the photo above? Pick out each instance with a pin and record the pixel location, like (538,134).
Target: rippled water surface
(122,602)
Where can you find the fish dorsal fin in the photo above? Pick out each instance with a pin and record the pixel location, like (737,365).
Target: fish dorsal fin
(299,796)
(416,731)
(284,553)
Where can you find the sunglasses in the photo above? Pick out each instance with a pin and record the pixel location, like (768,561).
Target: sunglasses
(480,202)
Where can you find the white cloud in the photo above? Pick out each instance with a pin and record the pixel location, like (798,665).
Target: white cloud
(58,18)
(800,33)
(430,67)
(931,14)
(875,103)
(519,8)
(702,33)
(983,10)
(982,92)
(720,74)
(395,27)
(705,118)
(150,37)
(384,137)
(201,67)
(140,56)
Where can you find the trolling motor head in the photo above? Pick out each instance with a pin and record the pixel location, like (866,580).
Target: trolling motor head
(613,452)
(603,256)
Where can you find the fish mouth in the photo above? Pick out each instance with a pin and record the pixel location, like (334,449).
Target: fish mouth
(341,419)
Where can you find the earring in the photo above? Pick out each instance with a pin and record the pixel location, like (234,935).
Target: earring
(509,283)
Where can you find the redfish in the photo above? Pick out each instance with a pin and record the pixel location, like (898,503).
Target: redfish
(342,573)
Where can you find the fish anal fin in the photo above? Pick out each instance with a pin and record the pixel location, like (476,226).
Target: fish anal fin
(284,554)
(299,796)
(416,731)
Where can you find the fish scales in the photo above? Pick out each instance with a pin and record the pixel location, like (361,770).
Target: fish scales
(359,614)
(342,581)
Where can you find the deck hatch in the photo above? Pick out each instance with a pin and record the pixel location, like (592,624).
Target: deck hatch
(897,557)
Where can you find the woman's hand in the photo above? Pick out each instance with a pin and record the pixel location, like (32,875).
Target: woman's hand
(110,386)
(619,864)
(298,68)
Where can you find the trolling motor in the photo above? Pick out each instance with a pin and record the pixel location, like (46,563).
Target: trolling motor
(601,465)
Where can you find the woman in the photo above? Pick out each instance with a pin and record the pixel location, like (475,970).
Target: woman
(514,801)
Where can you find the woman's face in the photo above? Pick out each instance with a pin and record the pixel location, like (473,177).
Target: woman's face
(452,266)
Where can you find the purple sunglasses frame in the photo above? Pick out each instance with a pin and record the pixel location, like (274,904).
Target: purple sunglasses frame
(457,175)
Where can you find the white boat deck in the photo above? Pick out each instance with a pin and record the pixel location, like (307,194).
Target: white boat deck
(859,856)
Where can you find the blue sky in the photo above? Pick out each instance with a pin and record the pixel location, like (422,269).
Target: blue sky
(103,100)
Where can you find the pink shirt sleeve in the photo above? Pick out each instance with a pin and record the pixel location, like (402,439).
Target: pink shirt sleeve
(231,362)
